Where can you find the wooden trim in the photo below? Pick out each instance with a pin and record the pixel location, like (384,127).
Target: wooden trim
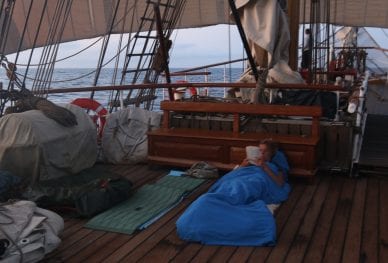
(236,123)
(166,119)
(258,109)
(320,87)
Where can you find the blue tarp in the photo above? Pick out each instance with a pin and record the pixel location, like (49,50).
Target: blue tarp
(234,211)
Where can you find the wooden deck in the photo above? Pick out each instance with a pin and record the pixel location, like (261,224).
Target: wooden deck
(334,219)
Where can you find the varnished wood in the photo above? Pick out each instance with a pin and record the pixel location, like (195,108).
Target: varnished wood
(256,109)
(300,244)
(335,244)
(317,243)
(351,250)
(370,240)
(301,86)
(176,146)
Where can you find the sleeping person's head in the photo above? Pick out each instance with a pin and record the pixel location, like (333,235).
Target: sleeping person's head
(268,148)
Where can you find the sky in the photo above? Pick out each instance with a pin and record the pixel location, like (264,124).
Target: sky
(191,48)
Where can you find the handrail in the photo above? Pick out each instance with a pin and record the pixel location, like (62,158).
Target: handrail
(320,87)
(212,65)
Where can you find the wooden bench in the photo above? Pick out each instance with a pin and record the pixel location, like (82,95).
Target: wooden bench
(225,149)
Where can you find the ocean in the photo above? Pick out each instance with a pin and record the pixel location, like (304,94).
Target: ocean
(84,77)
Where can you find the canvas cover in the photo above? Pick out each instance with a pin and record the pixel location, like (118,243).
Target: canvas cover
(125,135)
(35,147)
(31,232)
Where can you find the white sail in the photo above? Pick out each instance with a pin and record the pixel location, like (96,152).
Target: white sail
(91,18)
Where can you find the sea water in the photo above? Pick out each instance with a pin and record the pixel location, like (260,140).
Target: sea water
(85,77)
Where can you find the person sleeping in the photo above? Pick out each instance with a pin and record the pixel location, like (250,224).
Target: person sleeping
(234,210)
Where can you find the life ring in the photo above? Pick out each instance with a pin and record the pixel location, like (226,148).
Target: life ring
(192,90)
(95,106)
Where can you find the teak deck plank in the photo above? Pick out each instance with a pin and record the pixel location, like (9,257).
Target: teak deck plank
(187,253)
(334,219)
(323,225)
(282,215)
(241,254)
(108,249)
(354,234)
(204,254)
(301,240)
(369,244)
(163,252)
(157,247)
(223,254)
(334,247)
(279,252)
(99,244)
(79,246)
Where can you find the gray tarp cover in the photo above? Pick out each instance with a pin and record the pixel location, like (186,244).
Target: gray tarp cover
(125,135)
(35,147)
(31,230)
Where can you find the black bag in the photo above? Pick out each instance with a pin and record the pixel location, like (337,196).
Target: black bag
(99,196)
(89,192)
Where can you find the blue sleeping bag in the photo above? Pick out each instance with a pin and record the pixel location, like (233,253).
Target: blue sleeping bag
(233,211)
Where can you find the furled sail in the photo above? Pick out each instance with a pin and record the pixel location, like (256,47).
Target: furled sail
(92,18)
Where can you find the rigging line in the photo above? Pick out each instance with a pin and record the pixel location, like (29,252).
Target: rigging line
(114,75)
(56,38)
(20,43)
(119,47)
(85,75)
(385,33)
(82,50)
(115,97)
(62,29)
(47,49)
(104,47)
(35,39)
(67,57)
(375,64)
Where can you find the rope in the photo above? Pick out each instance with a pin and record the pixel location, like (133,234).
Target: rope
(104,46)
(258,95)
(54,36)
(77,78)
(64,58)
(35,39)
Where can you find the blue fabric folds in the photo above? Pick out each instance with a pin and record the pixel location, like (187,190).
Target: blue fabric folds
(234,211)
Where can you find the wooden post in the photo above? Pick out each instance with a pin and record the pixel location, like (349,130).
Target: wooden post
(293,19)
(315,127)
(236,124)
(166,119)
